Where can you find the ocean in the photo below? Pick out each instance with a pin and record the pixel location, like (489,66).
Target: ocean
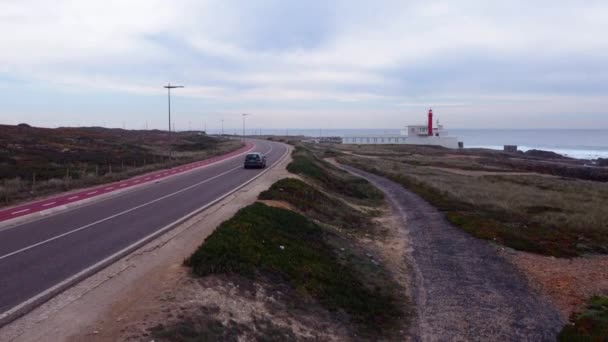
(575,143)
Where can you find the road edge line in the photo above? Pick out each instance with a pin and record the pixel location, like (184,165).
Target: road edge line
(21,309)
(42,214)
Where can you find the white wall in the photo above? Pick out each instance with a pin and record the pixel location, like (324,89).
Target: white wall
(449,142)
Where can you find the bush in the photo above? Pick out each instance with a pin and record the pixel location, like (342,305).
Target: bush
(313,203)
(333,179)
(589,325)
(283,245)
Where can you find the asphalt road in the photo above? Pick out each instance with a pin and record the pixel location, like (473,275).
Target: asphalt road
(15,213)
(38,255)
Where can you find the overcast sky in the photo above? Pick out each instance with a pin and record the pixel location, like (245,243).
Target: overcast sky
(305,64)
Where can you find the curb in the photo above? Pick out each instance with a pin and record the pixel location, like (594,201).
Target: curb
(30,304)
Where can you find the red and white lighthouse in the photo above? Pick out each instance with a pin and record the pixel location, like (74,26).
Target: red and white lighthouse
(430,122)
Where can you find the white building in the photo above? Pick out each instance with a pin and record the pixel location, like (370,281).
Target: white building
(413,134)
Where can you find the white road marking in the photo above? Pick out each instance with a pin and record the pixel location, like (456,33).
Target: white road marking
(114,256)
(123,184)
(19,211)
(206,162)
(47,204)
(115,215)
(137,181)
(109,188)
(92,192)
(127,211)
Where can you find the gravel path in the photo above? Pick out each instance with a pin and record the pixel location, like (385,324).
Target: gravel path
(463,290)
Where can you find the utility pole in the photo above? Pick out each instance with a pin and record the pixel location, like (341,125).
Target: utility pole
(169,87)
(222,126)
(244,115)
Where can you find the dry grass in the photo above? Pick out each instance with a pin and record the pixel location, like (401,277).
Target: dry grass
(49,161)
(548,215)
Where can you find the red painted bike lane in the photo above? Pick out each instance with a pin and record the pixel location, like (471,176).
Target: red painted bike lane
(60,200)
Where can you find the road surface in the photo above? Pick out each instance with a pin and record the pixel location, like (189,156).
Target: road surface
(39,255)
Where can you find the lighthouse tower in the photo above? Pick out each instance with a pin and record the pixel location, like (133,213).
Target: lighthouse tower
(430,122)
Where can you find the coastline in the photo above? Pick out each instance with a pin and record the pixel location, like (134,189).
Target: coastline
(584,154)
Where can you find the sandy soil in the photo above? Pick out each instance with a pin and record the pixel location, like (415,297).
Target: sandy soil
(241,308)
(462,288)
(569,282)
(279,204)
(484,173)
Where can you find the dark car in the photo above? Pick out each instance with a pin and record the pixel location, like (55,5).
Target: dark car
(255,160)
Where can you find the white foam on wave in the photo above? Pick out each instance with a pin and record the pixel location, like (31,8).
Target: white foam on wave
(568,152)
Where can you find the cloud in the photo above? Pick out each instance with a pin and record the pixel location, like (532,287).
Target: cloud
(324,56)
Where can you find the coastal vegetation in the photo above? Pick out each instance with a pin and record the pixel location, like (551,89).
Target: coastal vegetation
(318,205)
(589,325)
(317,170)
(305,236)
(262,241)
(40,161)
(528,211)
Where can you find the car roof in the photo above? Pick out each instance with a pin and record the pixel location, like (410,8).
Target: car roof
(258,153)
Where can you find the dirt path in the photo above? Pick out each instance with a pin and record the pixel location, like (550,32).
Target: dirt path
(462,288)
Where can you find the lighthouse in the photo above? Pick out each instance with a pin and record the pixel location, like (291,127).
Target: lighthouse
(430,122)
(424,134)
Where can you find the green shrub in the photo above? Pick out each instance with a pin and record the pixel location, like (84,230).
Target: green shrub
(589,325)
(283,245)
(331,178)
(313,203)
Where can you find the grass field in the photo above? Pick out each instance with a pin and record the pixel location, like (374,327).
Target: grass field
(538,213)
(41,161)
(480,159)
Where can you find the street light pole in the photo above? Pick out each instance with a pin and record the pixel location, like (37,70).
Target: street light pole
(244,115)
(169,87)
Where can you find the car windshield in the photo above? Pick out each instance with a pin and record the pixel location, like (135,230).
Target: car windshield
(252,157)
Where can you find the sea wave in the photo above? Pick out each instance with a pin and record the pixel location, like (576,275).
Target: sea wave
(568,152)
